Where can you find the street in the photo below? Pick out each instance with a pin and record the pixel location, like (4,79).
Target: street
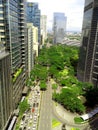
(45,119)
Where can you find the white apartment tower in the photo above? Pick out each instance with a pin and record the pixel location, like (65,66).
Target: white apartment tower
(43,28)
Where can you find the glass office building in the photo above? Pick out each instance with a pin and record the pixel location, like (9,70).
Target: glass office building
(33,16)
(13,36)
(59,27)
(88,59)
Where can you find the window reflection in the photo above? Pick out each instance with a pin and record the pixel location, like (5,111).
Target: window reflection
(88,2)
(87,22)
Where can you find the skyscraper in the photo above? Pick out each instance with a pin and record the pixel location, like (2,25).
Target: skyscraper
(59,27)
(6,98)
(33,16)
(88,59)
(43,28)
(30,47)
(13,36)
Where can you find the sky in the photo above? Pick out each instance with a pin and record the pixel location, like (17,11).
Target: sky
(73,9)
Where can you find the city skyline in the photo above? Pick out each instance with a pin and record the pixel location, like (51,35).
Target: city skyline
(73,10)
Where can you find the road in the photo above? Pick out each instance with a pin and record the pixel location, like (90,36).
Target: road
(45,120)
(93,125)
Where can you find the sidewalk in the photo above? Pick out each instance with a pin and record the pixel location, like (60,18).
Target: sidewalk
(67,117)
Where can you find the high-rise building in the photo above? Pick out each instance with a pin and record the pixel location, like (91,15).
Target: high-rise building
(88,59)
(33,16)
(35,40)
(59,27)
(6,99)
(30,47)
(13,36)
(43,28)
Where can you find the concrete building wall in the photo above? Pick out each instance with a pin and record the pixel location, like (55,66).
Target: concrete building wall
(30,47)
(6,97)
(35,40)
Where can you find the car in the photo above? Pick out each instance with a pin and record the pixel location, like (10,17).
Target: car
(31,117)
(26,121)
(37,104)
(34,125)
(35,119)
(21,123)
(24,128)
(64,127)
(29,128)
(33,104)
(35,114)
(34,128)
(30,121)
(23,118)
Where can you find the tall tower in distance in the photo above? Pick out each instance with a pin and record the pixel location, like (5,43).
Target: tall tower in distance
(88,58)
(43,28)
(59,27)
(33,16)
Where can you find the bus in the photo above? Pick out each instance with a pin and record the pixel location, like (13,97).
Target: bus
(11,125)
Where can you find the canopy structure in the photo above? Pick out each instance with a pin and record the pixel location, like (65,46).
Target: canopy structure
(25,91)
(90,114)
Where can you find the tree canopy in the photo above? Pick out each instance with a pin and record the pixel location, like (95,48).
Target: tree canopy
(60,63)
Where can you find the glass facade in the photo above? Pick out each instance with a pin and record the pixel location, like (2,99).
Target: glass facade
(59,27)
(87,2)
(13,32)
(88,51)
(33,16)
(86,28)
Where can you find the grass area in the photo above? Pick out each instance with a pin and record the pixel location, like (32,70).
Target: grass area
(78,120)
(75,129)
(55,123)
(18,122)
(17,126)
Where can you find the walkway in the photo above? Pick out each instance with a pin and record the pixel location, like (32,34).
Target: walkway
(66,117)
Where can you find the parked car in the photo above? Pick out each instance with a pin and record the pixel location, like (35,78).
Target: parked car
(64,127)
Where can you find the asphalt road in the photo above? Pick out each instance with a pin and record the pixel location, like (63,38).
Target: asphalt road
(45,120)
(93,125)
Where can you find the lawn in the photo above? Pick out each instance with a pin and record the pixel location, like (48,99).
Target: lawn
(75,129)
(55,123)
(78,120)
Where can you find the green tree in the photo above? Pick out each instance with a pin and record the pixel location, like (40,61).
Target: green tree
(43,85)
(23,106)
(54,86)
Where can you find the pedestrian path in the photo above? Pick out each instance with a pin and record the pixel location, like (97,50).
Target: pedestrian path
(66,117)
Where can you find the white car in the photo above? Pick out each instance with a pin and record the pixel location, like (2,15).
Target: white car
(31,117)
(21,123)
(29,128)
